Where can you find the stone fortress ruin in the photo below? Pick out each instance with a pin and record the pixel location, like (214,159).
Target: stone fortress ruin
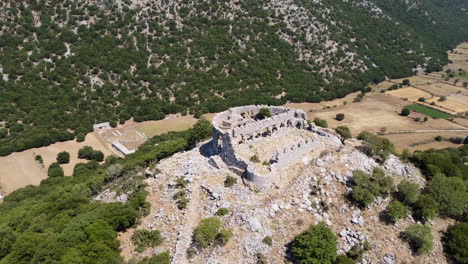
(260,146)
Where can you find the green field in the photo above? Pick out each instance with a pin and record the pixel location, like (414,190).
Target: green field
(427,111)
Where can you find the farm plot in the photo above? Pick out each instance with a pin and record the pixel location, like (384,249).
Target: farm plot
(428,111)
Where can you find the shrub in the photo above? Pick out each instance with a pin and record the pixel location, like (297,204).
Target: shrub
(268,240)
(396,210)
(55,170)
(143,239)
(230,181)
(63,157)
(456,140)
(223,236)
(442,98)
(425,208)
(320,122)
(182,203)
(362,197)
(408,192)
(264,113)
(222,211)
(181,182)
(261,259)
(89,153)
(80,137)
(344,132)
(39,159)
(366,188)
(343,259)
(161,258)
(405,112)
(254,159)
(375,145)
(456,241)
(206,231)
(340,117)
(438,138)
(419,238)
(317,245)
(449,193)
(422,99)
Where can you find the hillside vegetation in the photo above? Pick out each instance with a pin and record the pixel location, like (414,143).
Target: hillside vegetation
(65,65)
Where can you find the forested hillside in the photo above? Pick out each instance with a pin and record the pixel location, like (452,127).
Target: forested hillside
(68,64)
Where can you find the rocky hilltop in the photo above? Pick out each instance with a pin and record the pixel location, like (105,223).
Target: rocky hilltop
(312,189)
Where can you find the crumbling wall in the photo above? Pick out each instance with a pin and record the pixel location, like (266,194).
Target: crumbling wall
(238,125)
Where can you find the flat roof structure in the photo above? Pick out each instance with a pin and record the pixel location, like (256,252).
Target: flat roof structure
(121,148)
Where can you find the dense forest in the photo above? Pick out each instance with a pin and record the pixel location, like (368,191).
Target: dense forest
(65,65)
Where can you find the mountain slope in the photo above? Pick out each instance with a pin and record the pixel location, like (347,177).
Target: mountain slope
(67,65)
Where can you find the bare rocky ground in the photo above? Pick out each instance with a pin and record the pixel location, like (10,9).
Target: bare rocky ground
(315,193)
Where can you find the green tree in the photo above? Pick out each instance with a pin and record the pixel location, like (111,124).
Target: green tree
(264,113)
(340,117)
(80,137)
(450,194)
(425,208)
(456,241)
(396,210)
(344,132)
(405,112)
(199,132)
(63,157)
(55,170)
(420,238)
(320,122)
(408,192)
(317,245)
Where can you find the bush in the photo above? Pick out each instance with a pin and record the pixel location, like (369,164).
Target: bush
(438,138)
(375,145)
(161,258)
(422,99)
(230,181)
(419,238)
(206,231)
(223,236)
(264,113)
(405,112)
(449,193)
(143,239)
(366,188)
(340,117)
(63,157)
(320,122)
(408,192)
(343,259)
(39,159)
(425,208)
(222,211)
(254,159)
(80,137)
(55,170)
(456,241)
(181,182)
(268,240)
(396,210)
(89,153)
(317,245)
(344,132)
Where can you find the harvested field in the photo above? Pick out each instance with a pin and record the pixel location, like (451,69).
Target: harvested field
(411,93)
(459,58)
(20,169)
(379,112)
(171,123)
(423,141)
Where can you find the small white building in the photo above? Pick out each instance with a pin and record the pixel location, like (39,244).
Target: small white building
(101,125)
(121,148)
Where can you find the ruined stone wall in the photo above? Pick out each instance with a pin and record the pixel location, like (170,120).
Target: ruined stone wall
(236,126)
